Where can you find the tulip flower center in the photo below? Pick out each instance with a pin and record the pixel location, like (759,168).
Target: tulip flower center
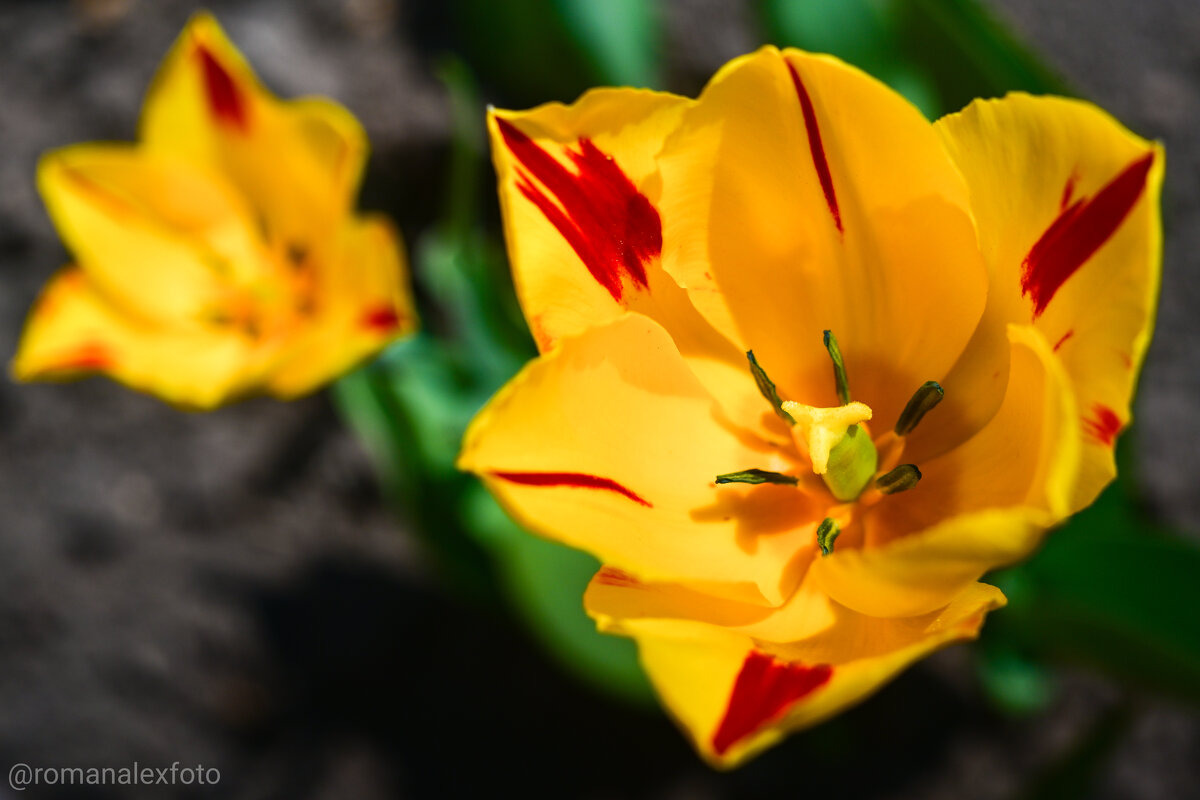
(839,445)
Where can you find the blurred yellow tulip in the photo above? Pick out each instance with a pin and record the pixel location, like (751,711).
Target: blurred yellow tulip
(220,256)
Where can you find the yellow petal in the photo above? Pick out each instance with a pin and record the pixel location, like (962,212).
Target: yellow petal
(584,235)
(624,604)
(735,696)
(361,303)
(156,234)
(983,505)
(74,331)
(787,213)
(1067,206)
(299,162)
(578,191)
(610,444)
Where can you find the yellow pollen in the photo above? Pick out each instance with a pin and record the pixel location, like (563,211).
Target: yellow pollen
(818,430)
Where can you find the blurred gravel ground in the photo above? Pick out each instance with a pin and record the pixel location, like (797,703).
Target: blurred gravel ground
(230,589)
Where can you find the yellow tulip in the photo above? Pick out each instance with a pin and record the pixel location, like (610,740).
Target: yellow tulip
(220,255)
(1007,256)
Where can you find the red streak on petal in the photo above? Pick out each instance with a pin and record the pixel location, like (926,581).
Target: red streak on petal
(579,480)
(88,356)
(381,319)
(609,224)
(815,146)
(1106,425)
(611,576)
(1078,232)
(764,690)
(1064,339)
(224,97)
(1068,193)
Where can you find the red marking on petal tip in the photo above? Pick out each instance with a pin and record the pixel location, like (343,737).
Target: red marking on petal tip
(611,226)
(764,690)
(88,356)
(224,97)
(815,147)
(611,576)
(381,319)
(1064,339)
(1105,426)
(578,480)
(1078,232)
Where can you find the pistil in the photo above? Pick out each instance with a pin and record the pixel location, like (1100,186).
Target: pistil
(840,449)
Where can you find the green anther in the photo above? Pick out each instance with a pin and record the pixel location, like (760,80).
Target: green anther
(827,533)
(852,462)
(901,479)
(839,367)
(767,387)
(757,476)
(921,403)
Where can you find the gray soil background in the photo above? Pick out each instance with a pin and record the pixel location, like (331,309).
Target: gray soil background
(230,589)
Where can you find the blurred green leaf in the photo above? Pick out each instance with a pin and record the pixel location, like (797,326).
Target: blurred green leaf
(413,404)
(940,54)
(1111,592)
(1013,682)
(546,581)
(523,50)
(969,53)
(860,32)
(620,37)
(424,490)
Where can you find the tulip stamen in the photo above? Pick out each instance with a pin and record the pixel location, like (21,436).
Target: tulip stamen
(839,367)
(767,387)
(757,476)
(827,533)
(900,479)
(924,400)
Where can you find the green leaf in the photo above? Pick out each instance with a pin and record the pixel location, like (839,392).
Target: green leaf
(1014,683)
(412,405)
(940,54)
(969,52)
(620,37)
(523,48)
(1111,592)
(545,582)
